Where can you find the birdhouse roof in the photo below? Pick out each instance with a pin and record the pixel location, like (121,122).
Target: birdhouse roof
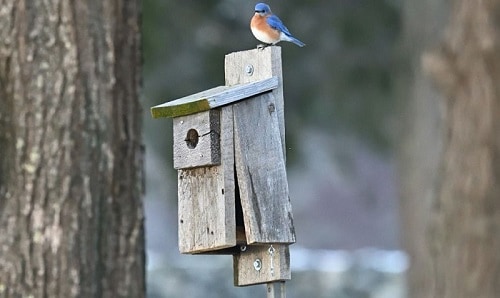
(212,98)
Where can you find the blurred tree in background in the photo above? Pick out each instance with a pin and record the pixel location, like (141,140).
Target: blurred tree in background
(362,91)
(451,172)
(420,147)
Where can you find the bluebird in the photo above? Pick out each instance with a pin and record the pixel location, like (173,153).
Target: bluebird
(268,28)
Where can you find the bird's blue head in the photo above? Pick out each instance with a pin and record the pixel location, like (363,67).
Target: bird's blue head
(262,9)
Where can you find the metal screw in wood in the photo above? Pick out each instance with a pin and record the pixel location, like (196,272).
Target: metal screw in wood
(249,69)
(257,264)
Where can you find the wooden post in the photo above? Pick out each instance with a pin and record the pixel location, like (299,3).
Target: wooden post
(260,148)
(260,165)
(270,290)
(256,65)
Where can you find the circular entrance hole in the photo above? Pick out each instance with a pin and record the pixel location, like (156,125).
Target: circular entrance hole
(192,138)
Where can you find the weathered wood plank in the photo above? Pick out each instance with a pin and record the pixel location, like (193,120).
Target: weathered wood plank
(197,140)
(262,264)
(207,199)
(213,98)
(270,290)
(227,159)
(265,64)
(259,149)
(261,172)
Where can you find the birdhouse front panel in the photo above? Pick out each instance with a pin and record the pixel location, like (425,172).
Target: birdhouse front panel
(207,193)
(197,140)
(203,210)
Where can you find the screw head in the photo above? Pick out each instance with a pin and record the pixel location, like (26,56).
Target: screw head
(249,69)
(257,264)
(271,108)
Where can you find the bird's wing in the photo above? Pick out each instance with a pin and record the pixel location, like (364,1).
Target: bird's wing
(277,24)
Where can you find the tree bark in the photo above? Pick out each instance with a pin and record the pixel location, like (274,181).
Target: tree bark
(421,144)
(71,215)
(462,231)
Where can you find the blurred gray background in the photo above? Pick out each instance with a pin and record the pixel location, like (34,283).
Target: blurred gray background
(342,126)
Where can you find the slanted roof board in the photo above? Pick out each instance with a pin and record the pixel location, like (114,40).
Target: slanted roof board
(212,98)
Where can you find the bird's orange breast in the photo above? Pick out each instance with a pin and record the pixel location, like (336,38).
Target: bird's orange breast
(262,30)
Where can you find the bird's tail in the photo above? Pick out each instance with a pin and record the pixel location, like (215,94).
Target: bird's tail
(296,41)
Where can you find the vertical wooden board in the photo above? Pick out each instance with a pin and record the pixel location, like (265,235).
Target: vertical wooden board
(274,262)
(207,199)
(227,163)
(264,64)
(197,140)
(201,210)
(261,172)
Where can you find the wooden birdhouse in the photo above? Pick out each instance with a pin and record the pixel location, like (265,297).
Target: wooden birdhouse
(229,150)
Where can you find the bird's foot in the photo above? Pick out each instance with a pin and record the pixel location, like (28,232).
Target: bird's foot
(262,46)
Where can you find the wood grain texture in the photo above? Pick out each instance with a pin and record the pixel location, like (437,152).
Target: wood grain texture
(259,144)
(274,264)
(213,98)
(261,172)
(265,63)
(207,199)
(202,149)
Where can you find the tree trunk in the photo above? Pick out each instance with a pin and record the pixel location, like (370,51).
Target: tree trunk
(421,142)
(462,230)
(71,215)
